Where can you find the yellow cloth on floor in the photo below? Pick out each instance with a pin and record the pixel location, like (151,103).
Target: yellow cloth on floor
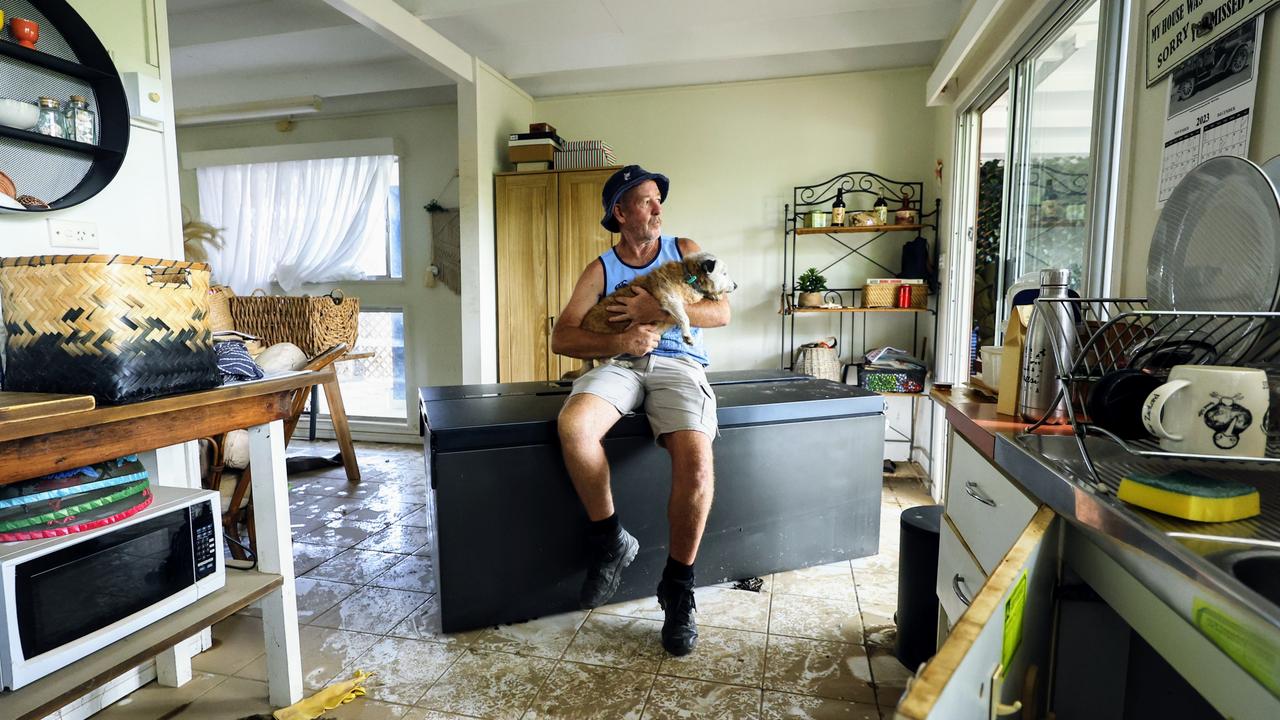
(327,699)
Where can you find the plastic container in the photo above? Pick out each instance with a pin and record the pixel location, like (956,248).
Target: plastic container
(992,356)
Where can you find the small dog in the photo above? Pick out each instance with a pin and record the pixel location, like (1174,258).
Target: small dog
(673,285)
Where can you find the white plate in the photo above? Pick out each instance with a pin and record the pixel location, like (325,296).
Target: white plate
(1216,246)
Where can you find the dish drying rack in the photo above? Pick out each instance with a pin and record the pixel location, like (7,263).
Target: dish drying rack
(1109,334)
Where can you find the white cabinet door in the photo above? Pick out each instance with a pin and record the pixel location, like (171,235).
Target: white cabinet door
(988,509)
(965,681)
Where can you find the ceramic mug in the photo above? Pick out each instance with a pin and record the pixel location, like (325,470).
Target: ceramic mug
(1209,410)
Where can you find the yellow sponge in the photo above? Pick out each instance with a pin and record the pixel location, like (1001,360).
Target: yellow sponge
(1191,496)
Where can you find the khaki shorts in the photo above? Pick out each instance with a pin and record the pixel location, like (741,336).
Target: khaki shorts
(674,392)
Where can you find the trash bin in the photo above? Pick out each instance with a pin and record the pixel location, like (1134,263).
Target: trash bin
(917,615)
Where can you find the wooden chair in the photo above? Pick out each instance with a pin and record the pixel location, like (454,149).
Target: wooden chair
(239,511)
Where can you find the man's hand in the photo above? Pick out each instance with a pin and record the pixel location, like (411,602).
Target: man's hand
(639,339)
(641,308)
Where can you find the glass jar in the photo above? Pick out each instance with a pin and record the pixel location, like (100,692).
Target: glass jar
(79,121)
(50,120)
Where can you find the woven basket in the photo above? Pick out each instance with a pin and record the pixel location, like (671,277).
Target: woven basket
(314,324)
(819,360)
(220,308)
(885,295)
(122,329)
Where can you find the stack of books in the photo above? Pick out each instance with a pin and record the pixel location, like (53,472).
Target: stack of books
(534,150)
(579,154)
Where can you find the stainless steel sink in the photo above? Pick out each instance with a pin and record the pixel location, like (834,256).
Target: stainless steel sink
(1062,453)
(1258,570)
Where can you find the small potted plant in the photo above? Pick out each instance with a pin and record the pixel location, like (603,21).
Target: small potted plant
(811,286)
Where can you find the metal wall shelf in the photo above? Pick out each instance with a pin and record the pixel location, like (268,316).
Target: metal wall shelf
(69,59)
(861,189)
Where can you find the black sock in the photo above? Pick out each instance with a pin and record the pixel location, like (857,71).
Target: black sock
(604,529)
(678,572)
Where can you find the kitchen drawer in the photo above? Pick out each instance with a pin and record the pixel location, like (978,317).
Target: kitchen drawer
(959,576)
(967,674)
(987,508)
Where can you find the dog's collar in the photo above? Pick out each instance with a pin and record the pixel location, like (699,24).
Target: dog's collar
(691,279)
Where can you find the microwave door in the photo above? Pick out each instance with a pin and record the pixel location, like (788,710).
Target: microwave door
(70,597)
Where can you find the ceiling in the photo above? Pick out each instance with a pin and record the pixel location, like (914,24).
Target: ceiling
(237,51)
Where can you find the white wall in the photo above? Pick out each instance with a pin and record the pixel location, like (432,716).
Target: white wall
(489,109)
(426,139)
(734,152)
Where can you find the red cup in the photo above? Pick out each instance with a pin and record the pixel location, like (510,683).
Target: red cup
(904,296)
(24,31)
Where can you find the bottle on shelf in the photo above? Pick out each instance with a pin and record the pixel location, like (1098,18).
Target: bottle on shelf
(49,122)
(1049,202)
(881,210)
(1040,397)
(838,209)
(79,121)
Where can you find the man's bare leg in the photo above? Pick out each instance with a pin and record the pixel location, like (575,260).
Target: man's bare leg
(692,488)
(583,422)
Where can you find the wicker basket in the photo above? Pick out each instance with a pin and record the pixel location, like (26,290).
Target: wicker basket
(220,308)
(122,329)
(819,360)
(314,324)
(885,295)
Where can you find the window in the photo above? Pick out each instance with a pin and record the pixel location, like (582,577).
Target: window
(1052,187)
(303,221)
(373,382)
(1036,149)
(380,254)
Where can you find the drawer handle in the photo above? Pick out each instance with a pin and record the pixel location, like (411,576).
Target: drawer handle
(971,488)
(957,581)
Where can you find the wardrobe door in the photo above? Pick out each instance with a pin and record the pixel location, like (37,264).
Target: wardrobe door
(582,239)
(526,213)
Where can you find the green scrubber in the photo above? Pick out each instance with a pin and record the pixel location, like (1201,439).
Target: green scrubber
(1191,496)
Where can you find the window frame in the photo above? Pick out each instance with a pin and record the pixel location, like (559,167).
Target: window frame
(1012,77)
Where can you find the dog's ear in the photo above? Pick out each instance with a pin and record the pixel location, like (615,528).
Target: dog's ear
(709,265)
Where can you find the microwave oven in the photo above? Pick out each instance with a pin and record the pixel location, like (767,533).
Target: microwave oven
(66,597)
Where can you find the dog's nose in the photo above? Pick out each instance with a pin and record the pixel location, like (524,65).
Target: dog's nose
(735,286)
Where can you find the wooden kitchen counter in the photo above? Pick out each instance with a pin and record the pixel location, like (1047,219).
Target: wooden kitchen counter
(974,416)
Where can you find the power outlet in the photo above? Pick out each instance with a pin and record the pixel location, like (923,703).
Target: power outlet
(73,234)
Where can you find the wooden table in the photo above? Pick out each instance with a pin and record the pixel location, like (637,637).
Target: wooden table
(338,416)
(34,443)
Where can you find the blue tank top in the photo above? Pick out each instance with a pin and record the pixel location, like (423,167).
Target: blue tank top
(618,274)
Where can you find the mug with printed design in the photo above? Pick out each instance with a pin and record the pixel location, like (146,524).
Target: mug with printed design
(1210,410)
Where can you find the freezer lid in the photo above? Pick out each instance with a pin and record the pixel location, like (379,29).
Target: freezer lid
(454,392)
(524,415)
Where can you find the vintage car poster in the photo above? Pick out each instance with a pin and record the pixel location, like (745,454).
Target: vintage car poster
(1210,105)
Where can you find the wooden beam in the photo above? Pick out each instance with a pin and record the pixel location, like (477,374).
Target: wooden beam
(402,29)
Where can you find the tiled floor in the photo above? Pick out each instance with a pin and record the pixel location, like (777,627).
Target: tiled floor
(813,643)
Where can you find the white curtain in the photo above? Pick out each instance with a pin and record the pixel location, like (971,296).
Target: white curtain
(294,222)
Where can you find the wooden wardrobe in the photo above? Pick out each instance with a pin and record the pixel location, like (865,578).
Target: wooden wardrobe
(548,230)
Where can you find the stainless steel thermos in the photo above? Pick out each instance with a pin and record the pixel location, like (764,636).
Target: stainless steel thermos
(1051,324)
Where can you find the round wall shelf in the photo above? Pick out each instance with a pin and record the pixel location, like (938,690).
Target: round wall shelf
(68,59)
